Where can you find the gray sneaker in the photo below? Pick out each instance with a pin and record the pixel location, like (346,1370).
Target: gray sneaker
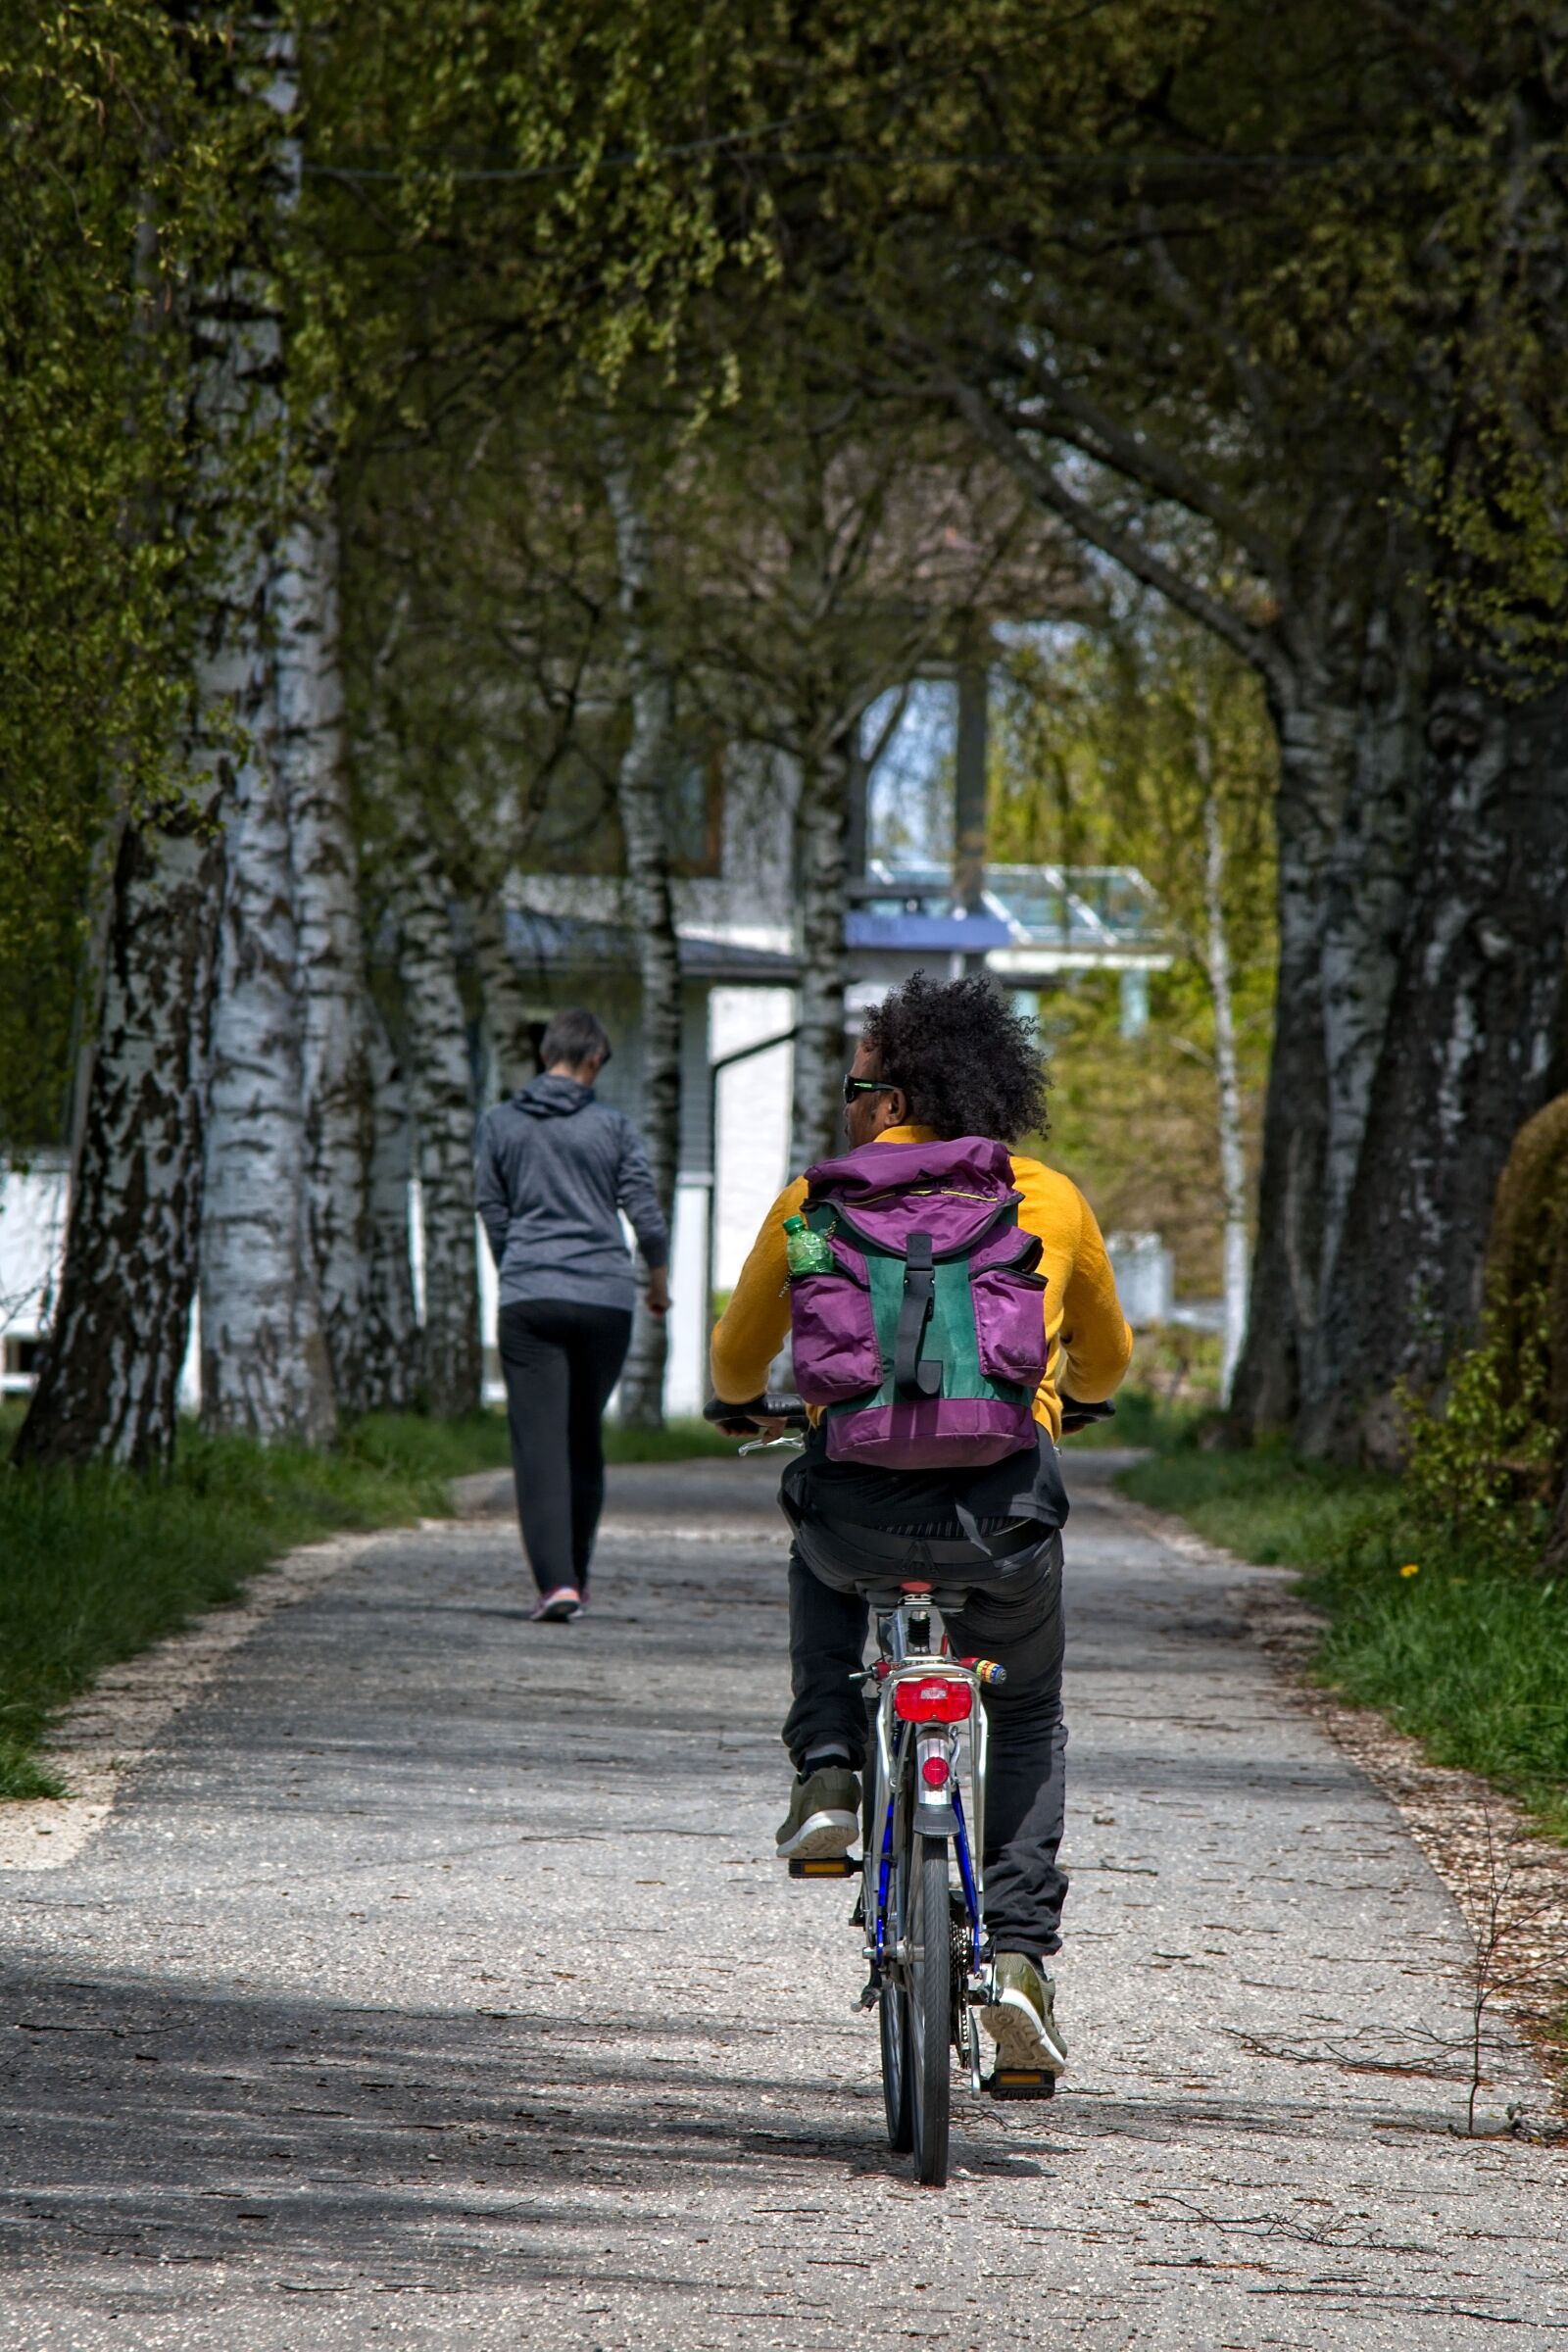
(824,1815)
(1020,2017)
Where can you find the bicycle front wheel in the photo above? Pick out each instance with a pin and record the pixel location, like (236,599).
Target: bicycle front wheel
(929,2009)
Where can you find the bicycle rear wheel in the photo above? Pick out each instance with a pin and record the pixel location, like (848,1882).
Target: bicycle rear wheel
(929,2009)
(893,2017)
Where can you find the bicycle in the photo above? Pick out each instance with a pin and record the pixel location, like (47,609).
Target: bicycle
(921,1905)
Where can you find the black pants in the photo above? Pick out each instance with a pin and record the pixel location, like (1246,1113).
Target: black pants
(1014,1618)
(560,1361)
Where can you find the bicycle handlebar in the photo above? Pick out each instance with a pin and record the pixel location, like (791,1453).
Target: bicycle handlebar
(777,1405)
(782,1405)
(1078,1416)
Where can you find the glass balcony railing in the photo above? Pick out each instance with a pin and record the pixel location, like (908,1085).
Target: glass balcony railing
(1111,908)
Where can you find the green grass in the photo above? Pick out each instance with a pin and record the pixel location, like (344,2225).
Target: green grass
(1266,1504)
(1143,1418)
(409,1446)
(1469,1657)
(676,1442)
(96,1564)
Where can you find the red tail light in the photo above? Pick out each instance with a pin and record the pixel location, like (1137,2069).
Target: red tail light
(934,1772)
(933,1699)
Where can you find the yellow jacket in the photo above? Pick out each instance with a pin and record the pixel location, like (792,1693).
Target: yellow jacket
(1088,1342)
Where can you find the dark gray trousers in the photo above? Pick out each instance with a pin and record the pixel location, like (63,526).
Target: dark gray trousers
(1015,1618)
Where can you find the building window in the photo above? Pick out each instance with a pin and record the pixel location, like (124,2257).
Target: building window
(24,1359)
(697,812)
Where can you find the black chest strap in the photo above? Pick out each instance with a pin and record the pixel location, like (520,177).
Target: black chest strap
(913,1377)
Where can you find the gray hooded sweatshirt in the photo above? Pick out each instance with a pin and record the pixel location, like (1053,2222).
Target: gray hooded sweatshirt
(552,1170)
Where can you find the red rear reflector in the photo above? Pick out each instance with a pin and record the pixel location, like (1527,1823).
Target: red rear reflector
(933,1699)
(934,1772)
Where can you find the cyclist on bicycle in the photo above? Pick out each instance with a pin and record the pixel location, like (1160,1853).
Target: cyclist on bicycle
(937,1061)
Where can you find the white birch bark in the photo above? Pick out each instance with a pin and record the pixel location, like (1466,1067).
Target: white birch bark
(441,1096)
(822,850)
(392,1358)
(1227,1076)
(110,1377)
(265,1367)
(1366,883)
(108,1386)
(309,754)
(640,797)
(1466,1056)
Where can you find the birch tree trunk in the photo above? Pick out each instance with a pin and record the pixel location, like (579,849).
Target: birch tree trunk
(391,1352)
(1423,829)
(441,1096)
(310,758)
(822,814)
(108,1386)
(111,1376)
(641,799)
(265,1367)
(1344,693)
(1465,1056)
(1227,1075)
(1367,882)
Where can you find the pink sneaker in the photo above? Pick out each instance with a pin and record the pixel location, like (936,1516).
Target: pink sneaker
(556,1607)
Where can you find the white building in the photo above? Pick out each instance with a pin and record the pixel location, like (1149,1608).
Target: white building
(32,1230)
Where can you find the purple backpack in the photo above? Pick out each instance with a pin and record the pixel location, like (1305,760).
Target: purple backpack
(926,1340)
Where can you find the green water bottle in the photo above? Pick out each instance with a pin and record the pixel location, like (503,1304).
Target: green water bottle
(807,1251)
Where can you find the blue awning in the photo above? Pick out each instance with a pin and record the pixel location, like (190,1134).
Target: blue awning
(919,934)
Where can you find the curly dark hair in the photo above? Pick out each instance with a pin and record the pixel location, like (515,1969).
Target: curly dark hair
(966,1061)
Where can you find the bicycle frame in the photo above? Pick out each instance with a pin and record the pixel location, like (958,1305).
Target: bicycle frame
(904,1748)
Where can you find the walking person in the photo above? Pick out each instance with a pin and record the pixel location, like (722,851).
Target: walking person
(553,1169)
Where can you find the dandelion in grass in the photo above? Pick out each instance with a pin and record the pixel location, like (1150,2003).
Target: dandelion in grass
(1411,1568)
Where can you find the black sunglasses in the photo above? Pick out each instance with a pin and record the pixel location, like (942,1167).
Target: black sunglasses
(865,1086)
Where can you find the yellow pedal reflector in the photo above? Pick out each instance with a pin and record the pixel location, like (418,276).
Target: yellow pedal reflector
(1019,2083)
(825,1866)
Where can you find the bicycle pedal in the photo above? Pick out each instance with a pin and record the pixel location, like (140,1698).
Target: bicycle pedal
(1020,2083)
(825,1866)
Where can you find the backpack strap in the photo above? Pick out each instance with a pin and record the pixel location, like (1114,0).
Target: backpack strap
(911,1377)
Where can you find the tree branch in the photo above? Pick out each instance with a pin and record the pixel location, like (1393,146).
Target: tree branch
(1052,492)
(1179,293)
(1158,470)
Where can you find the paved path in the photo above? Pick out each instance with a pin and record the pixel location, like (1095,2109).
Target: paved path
(434,1987)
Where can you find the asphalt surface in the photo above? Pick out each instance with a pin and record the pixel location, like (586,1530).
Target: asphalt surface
(433,1985)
